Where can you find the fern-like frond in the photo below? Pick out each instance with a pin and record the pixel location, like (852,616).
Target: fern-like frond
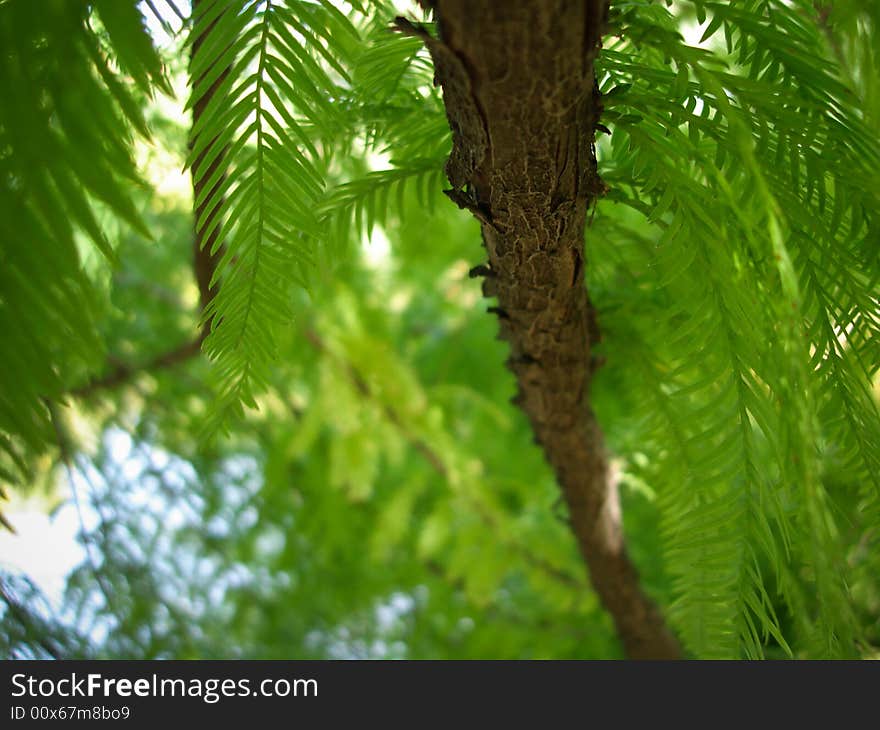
(753,161)
(268,74)
(353,208)
(293,92)
(64,144)
(393,95)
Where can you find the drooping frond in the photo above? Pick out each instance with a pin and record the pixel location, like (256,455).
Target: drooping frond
(293,92)
(754,162)
(65,135)
(268,74)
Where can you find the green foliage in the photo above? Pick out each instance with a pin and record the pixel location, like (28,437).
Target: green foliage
(380,500)
(286,88)
(256,72)
(761,324)
(65,128)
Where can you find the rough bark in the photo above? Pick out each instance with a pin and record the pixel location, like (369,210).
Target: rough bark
(518,85)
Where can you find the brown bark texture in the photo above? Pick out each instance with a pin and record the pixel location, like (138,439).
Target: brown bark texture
(522,103)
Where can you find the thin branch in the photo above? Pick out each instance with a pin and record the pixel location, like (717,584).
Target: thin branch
(364,389)
(542,623)
(437,464)
(123,372)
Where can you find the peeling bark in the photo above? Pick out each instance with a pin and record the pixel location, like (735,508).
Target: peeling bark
(522,103)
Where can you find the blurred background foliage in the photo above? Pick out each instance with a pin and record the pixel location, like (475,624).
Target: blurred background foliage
(383,500)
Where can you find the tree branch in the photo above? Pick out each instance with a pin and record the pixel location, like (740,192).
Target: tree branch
(123,372)
(522,104)
(437,464)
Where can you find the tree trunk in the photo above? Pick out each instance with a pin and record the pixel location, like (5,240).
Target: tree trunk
(522,103)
